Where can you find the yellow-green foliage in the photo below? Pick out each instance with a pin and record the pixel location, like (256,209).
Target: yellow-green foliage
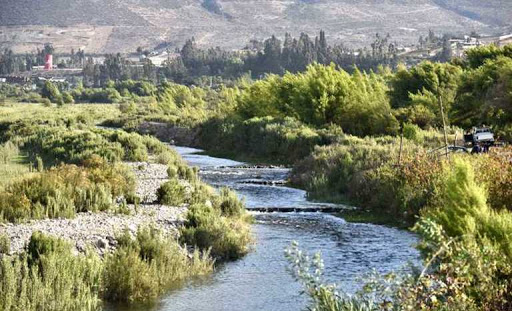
(462,202)
(462,209)
(48,276)
(462,273)
(94,113)
(217,222)
(55,279)
(144,267)
(323,95)
(228,238)
(66,190)
(11,162)
(172,193)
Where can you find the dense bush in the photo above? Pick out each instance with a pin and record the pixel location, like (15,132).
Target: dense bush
(466,247)
(278,140)
(139,270)
(419,88)
(34,280)
(484,97)
(172,193)
(323,95)
(73,141)
(66,190)
(144,267)
(217,222)
(333,170)
(227,238)
(495,172)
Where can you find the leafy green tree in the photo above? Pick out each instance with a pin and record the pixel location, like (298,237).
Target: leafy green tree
(423,85)
(485,97)
(478,56)
(68,98)
(50,91)
(323,95)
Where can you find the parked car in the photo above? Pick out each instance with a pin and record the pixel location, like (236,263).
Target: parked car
(481,135)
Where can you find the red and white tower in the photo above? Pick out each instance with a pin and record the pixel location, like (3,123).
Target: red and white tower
(48,62)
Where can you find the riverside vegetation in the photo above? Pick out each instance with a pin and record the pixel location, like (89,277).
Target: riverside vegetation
(56,164)
(340,131)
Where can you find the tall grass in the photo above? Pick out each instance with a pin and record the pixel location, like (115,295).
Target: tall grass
(50,278)
(145,266)
(66,190)
(218,223)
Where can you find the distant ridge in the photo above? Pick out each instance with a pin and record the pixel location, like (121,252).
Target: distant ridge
(103,26)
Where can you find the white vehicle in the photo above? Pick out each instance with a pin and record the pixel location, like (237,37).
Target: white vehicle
(480,135)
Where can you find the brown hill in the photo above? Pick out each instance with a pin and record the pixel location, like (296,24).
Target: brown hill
(121,26)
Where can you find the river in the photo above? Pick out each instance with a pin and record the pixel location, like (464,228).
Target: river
(260,281)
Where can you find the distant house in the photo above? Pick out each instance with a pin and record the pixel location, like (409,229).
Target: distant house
(504,40)
(461,45)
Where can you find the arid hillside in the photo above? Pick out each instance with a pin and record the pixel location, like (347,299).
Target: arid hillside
(122,26)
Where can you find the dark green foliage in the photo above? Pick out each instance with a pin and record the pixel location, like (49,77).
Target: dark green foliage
(5,244)
(229,203)
(484,97)
(418,89)
(279,140)
(41,245)
(172,193)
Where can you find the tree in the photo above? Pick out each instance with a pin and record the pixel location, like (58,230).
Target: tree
(422,84)
(484,97)
(50,91)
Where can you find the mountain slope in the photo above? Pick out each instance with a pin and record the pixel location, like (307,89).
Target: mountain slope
(121,26)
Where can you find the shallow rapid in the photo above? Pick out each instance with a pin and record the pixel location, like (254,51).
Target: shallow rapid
(260,281)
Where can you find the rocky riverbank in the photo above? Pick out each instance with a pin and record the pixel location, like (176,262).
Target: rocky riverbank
(98,230)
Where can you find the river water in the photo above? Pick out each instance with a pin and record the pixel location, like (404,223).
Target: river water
(260,281)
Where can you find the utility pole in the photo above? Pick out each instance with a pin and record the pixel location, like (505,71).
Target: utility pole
(440,101)
(401,143)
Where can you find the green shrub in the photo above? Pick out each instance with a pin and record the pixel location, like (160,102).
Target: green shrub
(8,151)
(66,190)
(172,193)
(144,267)
(229,203)
(67,98)
(46,102)
(461,202)
(5,244)
(33,282)
(228,238)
